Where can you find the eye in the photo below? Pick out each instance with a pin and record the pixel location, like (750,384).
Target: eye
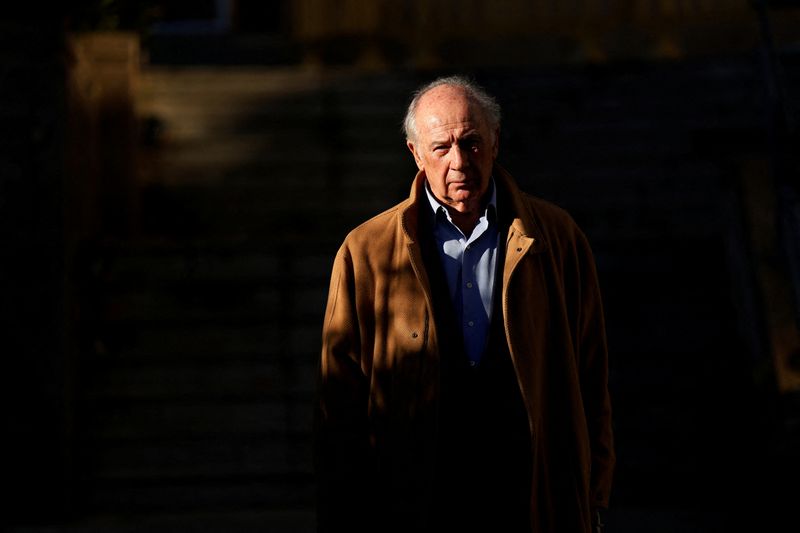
(471,144)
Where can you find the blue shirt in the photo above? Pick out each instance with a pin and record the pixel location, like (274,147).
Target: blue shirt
(469,263)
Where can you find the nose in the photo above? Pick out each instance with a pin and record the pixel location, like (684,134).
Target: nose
(458,159)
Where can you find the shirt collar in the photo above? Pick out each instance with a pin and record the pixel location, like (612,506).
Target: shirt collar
(436,207)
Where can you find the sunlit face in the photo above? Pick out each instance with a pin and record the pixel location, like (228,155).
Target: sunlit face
(455,146)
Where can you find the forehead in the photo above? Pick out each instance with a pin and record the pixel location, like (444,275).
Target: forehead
(447,108)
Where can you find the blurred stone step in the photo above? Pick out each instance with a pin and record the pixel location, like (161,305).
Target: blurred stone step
(192,113)
(242,81)
(203,494)
(170,380)
(208,457)
(294,519)
(317,221)
(123,419)
(184,340)
(209,101)
(643,89)
(274,134)
(614,226)
(164,264)
(567,176)
(200,303)
(286,177)
(229,156)
(203,302)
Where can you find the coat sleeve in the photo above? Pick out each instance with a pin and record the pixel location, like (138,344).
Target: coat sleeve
(343,456)
(593,368)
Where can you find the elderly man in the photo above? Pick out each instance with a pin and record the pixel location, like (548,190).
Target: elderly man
(463,378)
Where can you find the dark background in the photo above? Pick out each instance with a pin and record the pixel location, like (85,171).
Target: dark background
(175,178)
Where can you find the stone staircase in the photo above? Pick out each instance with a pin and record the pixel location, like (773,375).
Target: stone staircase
(202,332)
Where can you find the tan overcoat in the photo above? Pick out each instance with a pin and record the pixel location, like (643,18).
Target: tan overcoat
(379,373)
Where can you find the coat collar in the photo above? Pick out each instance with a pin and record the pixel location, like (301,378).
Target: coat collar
(523,225)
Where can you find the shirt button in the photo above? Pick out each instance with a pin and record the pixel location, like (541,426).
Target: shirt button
(469,284)
(469,247)
(470,323)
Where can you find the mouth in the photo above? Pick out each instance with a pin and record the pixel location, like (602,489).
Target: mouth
(462,183)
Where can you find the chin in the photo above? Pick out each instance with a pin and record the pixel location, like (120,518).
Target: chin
(464,205)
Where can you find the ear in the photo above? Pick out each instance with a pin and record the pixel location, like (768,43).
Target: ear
(496,143)
(417,158)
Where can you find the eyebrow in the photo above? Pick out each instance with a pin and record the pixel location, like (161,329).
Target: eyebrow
(469,136)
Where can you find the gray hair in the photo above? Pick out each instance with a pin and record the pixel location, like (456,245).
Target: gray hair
(475,92)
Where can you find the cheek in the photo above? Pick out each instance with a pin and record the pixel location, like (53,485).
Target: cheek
(437,185)
(437,179)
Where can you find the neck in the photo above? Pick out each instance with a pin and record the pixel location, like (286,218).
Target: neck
(465,221)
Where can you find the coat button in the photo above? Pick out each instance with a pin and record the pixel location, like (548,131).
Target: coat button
(414,334)
(519,249)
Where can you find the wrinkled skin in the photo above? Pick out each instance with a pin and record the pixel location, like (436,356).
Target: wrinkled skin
(455,146)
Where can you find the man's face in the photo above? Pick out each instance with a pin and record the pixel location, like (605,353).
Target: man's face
(455,147)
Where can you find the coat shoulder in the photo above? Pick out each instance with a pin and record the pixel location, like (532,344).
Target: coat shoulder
(554,221)
(376,232)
